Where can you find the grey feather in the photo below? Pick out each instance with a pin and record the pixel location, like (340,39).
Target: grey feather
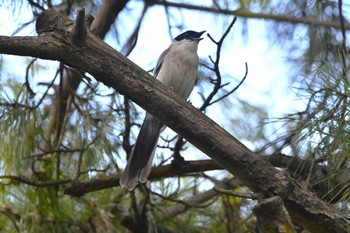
(160,62)
(140,161)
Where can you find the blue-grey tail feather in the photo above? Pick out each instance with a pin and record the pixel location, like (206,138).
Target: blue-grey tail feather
(140,161)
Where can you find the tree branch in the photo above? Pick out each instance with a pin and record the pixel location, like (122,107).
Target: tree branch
(81,188)
(248,14)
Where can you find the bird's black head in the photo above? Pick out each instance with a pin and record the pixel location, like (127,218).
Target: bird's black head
(189,35)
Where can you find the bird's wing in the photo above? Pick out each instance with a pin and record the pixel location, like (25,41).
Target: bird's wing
(160,62)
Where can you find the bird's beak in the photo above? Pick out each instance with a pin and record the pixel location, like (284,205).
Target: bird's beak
(199,34)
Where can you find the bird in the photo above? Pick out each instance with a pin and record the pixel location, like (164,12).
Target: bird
(177,68)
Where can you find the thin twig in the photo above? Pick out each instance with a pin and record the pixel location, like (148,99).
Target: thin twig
(80,160)
(344,49)
(127,125)
(60,150)
(37,5)
(31,92)
(236,194)
(25,180)
(132,41)
(217,85)
(12,216)
(234,89)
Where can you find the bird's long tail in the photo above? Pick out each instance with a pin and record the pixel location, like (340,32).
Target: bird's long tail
(140,160)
